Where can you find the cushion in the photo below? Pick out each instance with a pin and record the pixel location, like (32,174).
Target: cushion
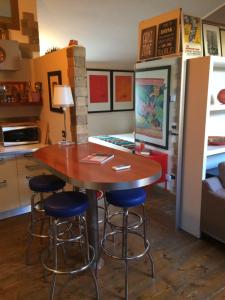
(213,184)
(46,183)
(220,193)
(126,198)
(66,204)
(221,168)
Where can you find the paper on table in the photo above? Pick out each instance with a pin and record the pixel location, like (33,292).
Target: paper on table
(97,158)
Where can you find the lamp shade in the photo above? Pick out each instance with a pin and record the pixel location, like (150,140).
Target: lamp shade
(62,96)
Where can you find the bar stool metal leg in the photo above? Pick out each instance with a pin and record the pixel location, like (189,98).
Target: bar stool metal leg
(30,238)
(106,215)
(94,273)
(56,241)
(146,244)
(127,199)
(67,211)
(42,221)
(39,185)
(33,221)
(125,249)
(55,255)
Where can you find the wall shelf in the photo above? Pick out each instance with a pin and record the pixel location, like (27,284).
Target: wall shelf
(18,93)
(217,107)
(213,150)
(21,104)
(202,119)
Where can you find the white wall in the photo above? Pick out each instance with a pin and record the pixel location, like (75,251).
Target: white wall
(56,60)
(110,123)
(108,29)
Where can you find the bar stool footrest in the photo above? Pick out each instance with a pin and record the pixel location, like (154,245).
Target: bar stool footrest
(134,225)
(109,252)
(44,260)
(34,233)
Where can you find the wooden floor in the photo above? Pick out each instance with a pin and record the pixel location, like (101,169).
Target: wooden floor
(186,268)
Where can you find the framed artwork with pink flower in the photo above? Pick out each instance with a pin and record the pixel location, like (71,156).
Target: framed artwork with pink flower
(152,94)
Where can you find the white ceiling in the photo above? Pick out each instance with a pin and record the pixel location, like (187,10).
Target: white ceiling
(108,29)
(217,16)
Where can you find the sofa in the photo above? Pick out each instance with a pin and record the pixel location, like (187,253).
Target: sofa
(213,205)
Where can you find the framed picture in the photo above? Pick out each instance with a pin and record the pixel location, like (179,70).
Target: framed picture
(211,36)
(54,78)
(152,92)
(123,90)
(9,15)
(192,36)
(99,92)
(147,46)
(167,38)
(222,40)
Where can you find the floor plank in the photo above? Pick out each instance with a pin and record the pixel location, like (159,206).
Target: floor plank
(186,268)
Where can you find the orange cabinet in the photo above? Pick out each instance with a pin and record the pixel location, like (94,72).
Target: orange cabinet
(161,158)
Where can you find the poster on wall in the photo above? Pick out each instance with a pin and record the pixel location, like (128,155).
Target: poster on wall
(123,90)
(99,93)
(211,35)
(222,39)
(167,38)
(152,91)
(192,36)
(54,78)
(147,46)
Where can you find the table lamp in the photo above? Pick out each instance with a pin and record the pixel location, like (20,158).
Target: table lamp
(62,97)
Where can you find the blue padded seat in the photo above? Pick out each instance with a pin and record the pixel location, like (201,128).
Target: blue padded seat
(66,204)
(126,198)
(46,183)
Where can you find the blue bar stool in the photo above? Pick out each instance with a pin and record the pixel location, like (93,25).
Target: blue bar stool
(39,185)
(68,228)
(126,199)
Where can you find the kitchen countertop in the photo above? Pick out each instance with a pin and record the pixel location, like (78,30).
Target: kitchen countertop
(125,136)
(4,151)
(20,149)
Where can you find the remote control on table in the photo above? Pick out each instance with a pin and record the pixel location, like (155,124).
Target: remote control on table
(121,167)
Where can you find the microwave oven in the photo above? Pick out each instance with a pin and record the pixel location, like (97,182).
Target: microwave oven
(15,135)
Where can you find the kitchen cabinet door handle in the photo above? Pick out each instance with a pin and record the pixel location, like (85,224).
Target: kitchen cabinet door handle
(2,182)
(31,167)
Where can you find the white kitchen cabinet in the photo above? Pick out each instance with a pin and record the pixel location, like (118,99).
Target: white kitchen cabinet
(204,117)
(9,193)
(15,172)
(26,169)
